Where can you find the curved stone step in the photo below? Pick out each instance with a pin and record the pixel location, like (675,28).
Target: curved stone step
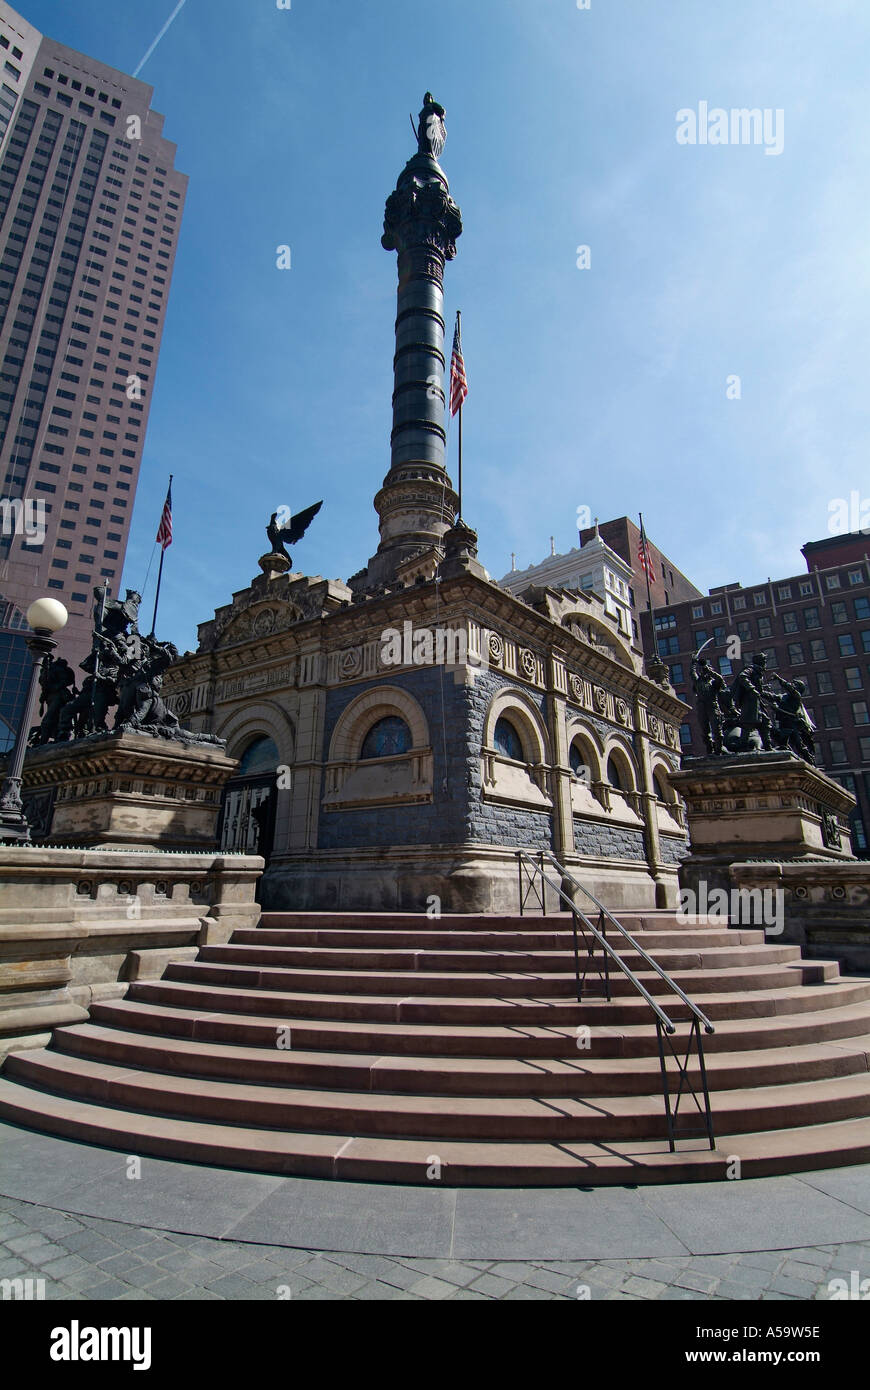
(513,1012)
(501,984)
(584,1074)
(215,1020)
(439,938)
(435,960)
(412,1161)
(434,1117)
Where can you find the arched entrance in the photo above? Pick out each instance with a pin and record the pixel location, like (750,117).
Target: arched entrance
(247,820)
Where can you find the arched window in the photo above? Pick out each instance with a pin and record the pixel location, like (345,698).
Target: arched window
(659,787)
(576,758)
(507,740)
(260,756)
(614,776)
(388,737)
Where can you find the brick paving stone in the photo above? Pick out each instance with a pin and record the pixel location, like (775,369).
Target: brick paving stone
(798,1288)
(200,1295)
(715,1265)
(58,1269)
(106,1289)
(14,1266)
(547,1279)
(729,1288)
(374,1266)
(265,1272)
(759,1259)
(454,1272)
(44,1254)
(401,1277)
(467,1294)
(511,1269)
(317,1291)
(193,1267)
(317,1269)
(32,1241)
(822,1256)
(674,1294)
(119,1265)
(90,1245)
(799,1269)
(144,1277)
(654,1269)
(604,1274)
(646,1288)
(231,1257)
(527,1292)
(491,1284)
(168,1287)
(232,1286)
(433,1289)
(342,1280)
(375,1290)
(749,1276)
(702,1283)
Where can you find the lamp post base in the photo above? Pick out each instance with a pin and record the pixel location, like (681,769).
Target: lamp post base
(14,826)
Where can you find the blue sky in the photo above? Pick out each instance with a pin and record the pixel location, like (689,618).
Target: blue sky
(603,387)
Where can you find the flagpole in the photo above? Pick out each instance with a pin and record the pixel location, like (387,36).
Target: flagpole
(160,571)
(649,602)
(157,595)
(459,331)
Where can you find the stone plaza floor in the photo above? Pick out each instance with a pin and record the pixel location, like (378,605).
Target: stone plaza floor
(70,1215)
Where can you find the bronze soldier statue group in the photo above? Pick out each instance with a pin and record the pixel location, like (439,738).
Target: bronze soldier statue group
(750,716)
(123,670)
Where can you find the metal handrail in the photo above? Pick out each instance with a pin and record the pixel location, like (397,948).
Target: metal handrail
(627,936)
(664,1024)
(613,955)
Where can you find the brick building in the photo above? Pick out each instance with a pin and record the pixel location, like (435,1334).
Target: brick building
(815,626)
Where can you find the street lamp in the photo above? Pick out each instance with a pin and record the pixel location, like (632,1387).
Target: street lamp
(45,616)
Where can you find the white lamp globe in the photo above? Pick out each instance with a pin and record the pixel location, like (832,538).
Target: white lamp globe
(47,614)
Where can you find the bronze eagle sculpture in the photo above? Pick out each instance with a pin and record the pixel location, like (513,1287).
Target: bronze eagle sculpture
(278,532)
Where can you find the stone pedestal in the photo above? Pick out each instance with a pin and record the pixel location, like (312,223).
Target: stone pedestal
(758,806)
(126,791)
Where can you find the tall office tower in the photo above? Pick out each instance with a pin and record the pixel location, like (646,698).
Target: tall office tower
(90,210)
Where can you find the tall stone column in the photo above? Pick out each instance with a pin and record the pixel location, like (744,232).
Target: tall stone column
(416,503)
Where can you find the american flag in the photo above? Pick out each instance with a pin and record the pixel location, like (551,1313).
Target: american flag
(164,530)
(458,382)
(643,555)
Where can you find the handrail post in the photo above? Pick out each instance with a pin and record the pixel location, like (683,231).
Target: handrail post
(543,888)
(576,958)
(669,1119)
(520,872)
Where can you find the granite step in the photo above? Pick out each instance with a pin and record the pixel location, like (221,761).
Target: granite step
(393,1115)
(504,983)
(583,1074)
(215,1020)
(534,1010)
(433,959)
(438,937)
(459,1164)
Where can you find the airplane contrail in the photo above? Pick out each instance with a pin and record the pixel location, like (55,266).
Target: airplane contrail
(178,8)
